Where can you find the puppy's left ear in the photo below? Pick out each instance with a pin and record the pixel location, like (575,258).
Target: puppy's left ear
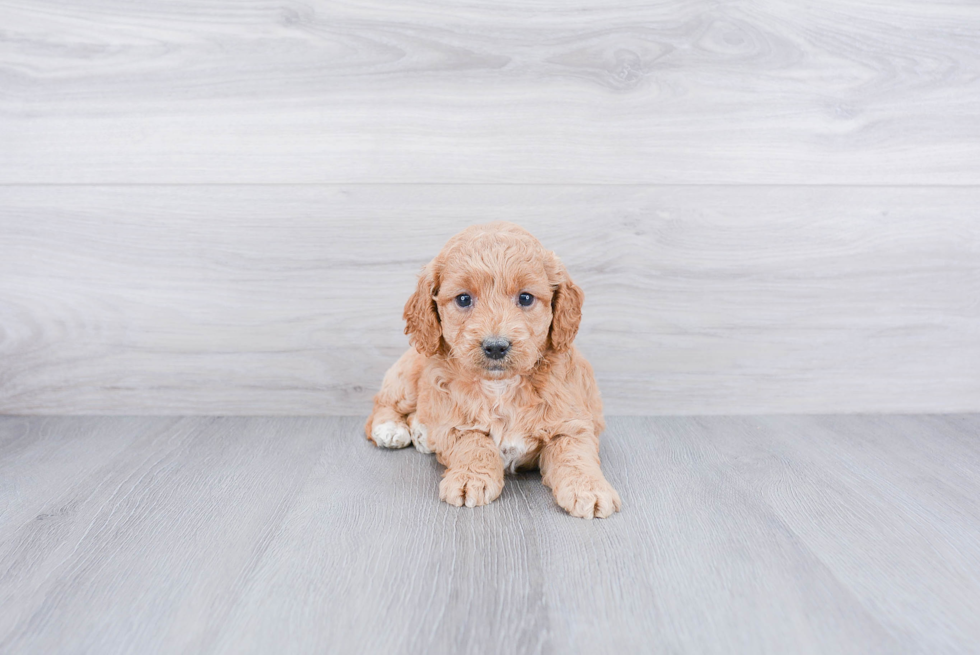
(566,310)
(421,316)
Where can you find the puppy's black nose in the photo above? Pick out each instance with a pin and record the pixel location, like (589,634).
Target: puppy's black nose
(495,347)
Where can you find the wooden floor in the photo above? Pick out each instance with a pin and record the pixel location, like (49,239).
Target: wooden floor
(255,535)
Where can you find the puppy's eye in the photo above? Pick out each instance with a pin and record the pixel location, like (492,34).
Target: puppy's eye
(525,299)
(464,300)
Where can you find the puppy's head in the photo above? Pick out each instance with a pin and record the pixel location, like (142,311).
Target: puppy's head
(495,300)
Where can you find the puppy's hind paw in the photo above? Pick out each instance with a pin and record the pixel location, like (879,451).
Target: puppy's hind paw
(420,436)
(391,435)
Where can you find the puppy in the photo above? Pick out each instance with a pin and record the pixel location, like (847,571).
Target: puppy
(492,382)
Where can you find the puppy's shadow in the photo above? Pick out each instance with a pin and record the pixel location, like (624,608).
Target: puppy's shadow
(525,490)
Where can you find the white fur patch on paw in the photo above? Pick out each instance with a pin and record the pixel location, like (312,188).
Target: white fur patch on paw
(391,435)
(420,437)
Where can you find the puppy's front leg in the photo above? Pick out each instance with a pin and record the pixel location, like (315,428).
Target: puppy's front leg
(474,472)
(570,466)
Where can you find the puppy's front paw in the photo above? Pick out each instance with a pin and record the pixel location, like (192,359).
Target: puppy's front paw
(465,487)
(391,435)
(587,498)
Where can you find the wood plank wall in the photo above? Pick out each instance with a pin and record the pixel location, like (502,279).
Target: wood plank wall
(219,208)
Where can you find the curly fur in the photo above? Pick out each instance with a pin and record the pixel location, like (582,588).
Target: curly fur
(538,406)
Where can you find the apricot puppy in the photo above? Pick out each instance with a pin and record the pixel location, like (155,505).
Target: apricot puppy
(492,382)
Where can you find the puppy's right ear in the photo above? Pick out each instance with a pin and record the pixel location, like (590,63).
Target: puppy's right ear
(421,317)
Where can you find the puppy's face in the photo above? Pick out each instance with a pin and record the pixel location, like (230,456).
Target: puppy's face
(495,301)
(495,310)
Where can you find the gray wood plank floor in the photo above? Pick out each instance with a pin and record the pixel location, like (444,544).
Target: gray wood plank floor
(794,534)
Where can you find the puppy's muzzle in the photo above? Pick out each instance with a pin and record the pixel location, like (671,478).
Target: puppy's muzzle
(495,347)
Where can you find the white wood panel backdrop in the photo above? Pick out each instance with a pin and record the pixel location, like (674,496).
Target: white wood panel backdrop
(219,207)
(288,299)
(555,91)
